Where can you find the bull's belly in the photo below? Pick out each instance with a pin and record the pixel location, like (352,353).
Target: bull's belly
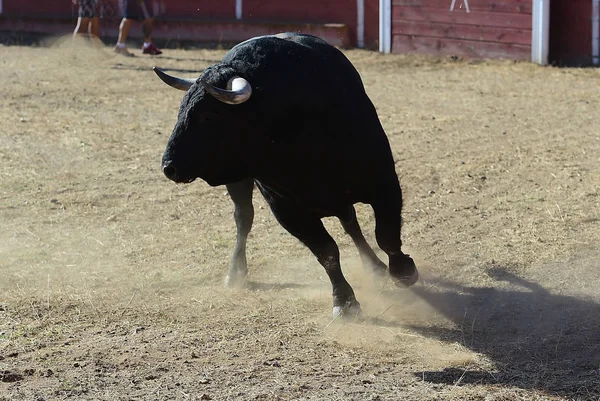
(320,199)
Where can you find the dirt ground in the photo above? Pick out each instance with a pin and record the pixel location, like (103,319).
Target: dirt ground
(111,276)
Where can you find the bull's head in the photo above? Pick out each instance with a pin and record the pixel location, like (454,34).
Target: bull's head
(209,140)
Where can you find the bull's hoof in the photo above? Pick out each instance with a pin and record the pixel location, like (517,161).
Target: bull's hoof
(405,272)
(236,279)
(350,310)
(406,281)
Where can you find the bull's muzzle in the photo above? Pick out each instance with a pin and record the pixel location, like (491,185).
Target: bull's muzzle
(170,171)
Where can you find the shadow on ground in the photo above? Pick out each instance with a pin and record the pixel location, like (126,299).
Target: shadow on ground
(260,286)
(536,338)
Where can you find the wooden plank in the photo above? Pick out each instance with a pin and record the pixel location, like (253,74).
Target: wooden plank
(195,30)
(236,31)
(36,8)
(460,32)
(336,11)
(313,11)
(507,6)
(486,18)
(571,32)
(371,24)
(460,48)
(223,9)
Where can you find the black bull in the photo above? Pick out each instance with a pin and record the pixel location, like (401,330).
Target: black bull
(289,112)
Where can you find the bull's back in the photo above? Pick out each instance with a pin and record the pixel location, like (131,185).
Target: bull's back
(325,127)
(299,70)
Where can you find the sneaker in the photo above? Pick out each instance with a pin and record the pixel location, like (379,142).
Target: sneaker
(153,50)
(123,51)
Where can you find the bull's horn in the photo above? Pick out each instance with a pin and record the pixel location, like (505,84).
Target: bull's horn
(239,90)
(177,83)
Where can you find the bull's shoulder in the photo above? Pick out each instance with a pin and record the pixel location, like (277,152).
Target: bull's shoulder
(289,60)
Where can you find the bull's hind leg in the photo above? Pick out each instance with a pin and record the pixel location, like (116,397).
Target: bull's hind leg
(368,257)
(241,195)
(388,208)
(310,230)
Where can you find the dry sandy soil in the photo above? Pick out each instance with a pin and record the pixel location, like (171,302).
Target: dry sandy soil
(111,276)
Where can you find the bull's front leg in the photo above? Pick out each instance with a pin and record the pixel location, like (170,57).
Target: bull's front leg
(388,207)
(309,230)
(241,195)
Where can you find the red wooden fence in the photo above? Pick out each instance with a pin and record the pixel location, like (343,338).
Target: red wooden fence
(206,15)
(466,28)
(570,32)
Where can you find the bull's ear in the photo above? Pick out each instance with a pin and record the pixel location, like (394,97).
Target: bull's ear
(177,83)
(239,91)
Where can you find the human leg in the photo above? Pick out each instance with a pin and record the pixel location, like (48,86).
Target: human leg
(81,27)
(124,28)
(86,14)
(148,47)
(95,31)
